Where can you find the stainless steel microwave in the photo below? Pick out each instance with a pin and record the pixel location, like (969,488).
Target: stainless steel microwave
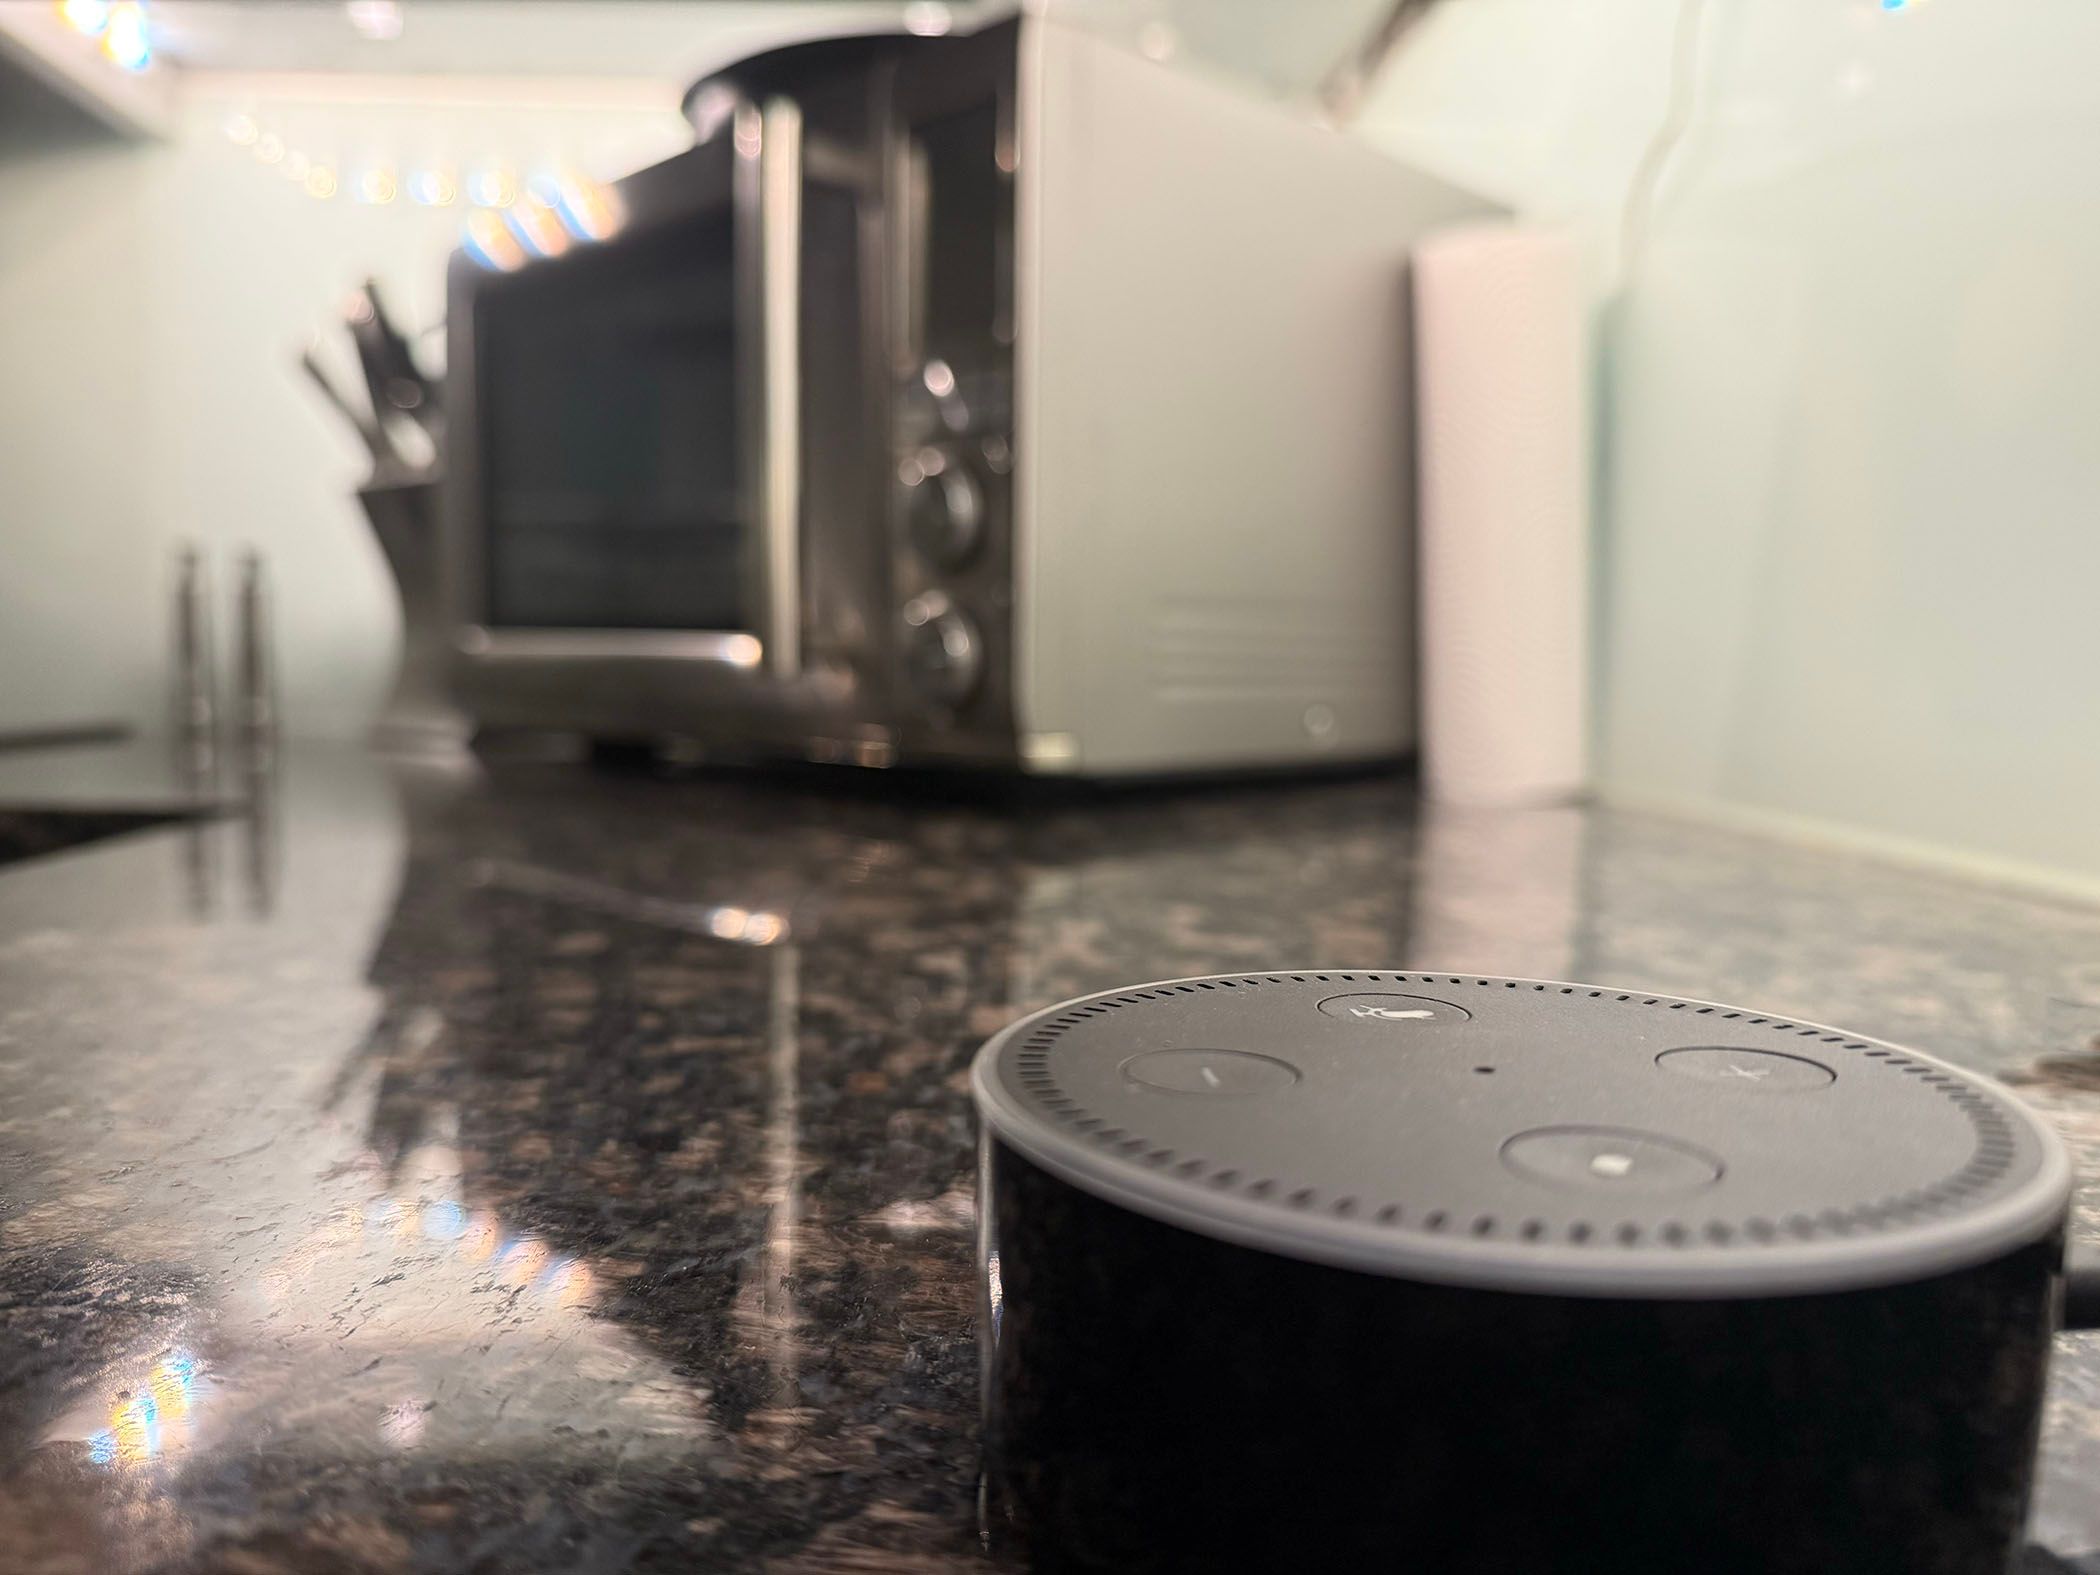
(1002,400)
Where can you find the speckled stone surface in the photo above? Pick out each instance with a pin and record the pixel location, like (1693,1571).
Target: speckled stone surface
(532,1169)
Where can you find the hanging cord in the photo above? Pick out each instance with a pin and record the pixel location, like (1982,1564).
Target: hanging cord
(1677,117)
(1342,91)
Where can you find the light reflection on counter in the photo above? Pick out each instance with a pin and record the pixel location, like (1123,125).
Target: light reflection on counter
(152,1416)
(148,1416)
(401,1425)
(475,1237)
(719,921)
(444,1220)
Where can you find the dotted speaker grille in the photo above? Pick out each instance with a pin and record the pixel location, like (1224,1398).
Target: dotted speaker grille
(1036,1066)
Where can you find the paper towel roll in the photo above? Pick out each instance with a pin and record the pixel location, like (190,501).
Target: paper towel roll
(1502,385)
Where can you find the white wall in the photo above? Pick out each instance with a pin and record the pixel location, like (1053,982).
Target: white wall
(1542,106)
(153,299)
(76,572)
(1849,533)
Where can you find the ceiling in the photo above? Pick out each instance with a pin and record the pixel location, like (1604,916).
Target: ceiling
(652,39)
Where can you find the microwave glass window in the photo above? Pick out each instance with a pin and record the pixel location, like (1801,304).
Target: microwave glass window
(612,483)
(965,204)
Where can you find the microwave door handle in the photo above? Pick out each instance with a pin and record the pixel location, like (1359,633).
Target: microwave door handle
(768,217)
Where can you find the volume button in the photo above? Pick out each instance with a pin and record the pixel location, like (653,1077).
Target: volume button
(943,656)
(944,506)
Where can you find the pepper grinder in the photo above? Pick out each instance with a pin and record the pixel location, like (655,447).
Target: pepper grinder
(196,732)
(255,714)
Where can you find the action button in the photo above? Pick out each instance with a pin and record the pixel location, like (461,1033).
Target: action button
(1231,1073)
(1610,1159)
(1760,1071)
(1403,1010)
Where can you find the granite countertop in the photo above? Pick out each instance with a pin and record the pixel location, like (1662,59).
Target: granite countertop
(526,1169)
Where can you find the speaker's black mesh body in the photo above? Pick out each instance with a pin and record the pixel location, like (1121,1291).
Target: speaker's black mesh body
(1517,1276)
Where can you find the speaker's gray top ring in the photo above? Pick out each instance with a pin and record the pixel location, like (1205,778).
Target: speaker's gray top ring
(1523,1134)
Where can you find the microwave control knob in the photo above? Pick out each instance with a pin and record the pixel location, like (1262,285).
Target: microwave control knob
(944,506)
(942,652)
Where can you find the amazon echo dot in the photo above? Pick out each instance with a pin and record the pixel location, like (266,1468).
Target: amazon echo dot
(1364,1270)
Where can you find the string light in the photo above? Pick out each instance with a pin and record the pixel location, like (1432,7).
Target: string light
(587,210)
(514,220)
(537,225)
(432,188)
(124,38)
(86,16)
(490,243)
(492,188)
(927,19)
(378,20)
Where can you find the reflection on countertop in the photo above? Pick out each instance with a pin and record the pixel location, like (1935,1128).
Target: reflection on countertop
(521,1168)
